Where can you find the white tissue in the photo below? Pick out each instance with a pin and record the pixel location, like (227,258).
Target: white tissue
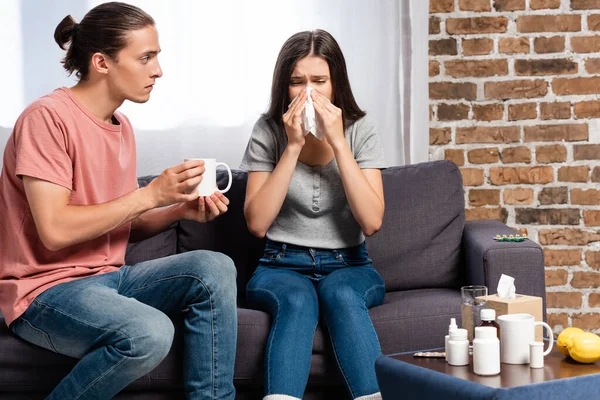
(308,117)
(506,287)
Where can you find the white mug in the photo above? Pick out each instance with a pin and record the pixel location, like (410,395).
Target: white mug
(516,332)
(209,179)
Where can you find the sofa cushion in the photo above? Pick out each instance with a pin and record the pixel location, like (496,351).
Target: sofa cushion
(227,234)
(419,243)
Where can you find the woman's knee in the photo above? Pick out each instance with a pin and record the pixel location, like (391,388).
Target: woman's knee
(339,296)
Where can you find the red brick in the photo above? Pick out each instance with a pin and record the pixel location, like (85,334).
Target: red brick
(596,175)
(562,258)
(474,5)
(558,322)
(557,110)
(551,154)
(440,136)
(563,299)
(557,277)
(578,173)
(587,109)
(571,86)
(455,155)
(542,4)
(594,300)
(472,176)
(441,6)
(521,175)
(593,22)
(586,152)
(443,47)
(509,5)
(477,25)
(556,133)
(545,67)
(522,111)
(484,197)
(592,65)
(592,258)
(518,89)
(553,195)
(483,156)
(549,23)
(590,197)
(518,154)
(452,91)
(585,4)
(591,217)
(480,213)
(554,44)
(488,112)
(452,112)
(585,44)
(476,68)
(487,134)
(567,236)
(585,280)
(586,321)
(434,68)
(518,196)
(434,25)
(477,47)
(547,216)
(514,45)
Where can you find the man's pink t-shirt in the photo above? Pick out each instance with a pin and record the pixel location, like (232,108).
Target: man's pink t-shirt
(56,139)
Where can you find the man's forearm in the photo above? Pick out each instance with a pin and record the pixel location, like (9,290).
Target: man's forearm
(78,224)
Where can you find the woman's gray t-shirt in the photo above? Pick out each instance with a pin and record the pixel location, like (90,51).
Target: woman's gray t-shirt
(315,212)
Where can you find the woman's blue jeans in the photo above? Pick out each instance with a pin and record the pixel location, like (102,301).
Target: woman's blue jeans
(298,286)
(117,325)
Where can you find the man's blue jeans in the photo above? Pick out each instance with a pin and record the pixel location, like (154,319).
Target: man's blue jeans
(117,324)
(297,284)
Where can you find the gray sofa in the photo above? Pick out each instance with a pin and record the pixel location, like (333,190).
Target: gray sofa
(424,251)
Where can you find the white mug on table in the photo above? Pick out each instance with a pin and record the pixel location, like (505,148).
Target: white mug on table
(517,331)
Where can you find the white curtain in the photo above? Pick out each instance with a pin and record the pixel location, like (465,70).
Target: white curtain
(218,60)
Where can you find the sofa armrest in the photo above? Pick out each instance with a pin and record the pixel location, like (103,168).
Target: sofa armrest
(486,259)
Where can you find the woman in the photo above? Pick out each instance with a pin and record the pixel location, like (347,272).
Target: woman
(315,200)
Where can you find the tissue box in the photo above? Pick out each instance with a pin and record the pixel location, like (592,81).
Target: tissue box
(520,304)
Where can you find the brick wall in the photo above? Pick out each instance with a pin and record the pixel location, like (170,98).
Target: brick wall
(514,88)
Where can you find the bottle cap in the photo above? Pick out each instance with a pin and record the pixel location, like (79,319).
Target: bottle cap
(452,324)
(458,334)
(488,314)
(485,332)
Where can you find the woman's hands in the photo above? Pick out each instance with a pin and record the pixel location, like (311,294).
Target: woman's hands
(329,119)
(292,121)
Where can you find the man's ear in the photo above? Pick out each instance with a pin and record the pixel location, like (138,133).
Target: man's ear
(99,63)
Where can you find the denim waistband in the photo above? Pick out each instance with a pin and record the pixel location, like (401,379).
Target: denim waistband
(275,245)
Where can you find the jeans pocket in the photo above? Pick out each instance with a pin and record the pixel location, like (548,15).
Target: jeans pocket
(26,331)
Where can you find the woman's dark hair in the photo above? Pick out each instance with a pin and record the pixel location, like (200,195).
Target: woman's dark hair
(102,30)
(316,43)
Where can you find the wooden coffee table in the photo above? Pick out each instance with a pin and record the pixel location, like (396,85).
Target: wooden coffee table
(404,376)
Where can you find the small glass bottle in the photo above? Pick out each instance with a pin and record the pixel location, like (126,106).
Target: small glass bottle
(488,318)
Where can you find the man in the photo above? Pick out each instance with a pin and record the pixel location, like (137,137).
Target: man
(69,201)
